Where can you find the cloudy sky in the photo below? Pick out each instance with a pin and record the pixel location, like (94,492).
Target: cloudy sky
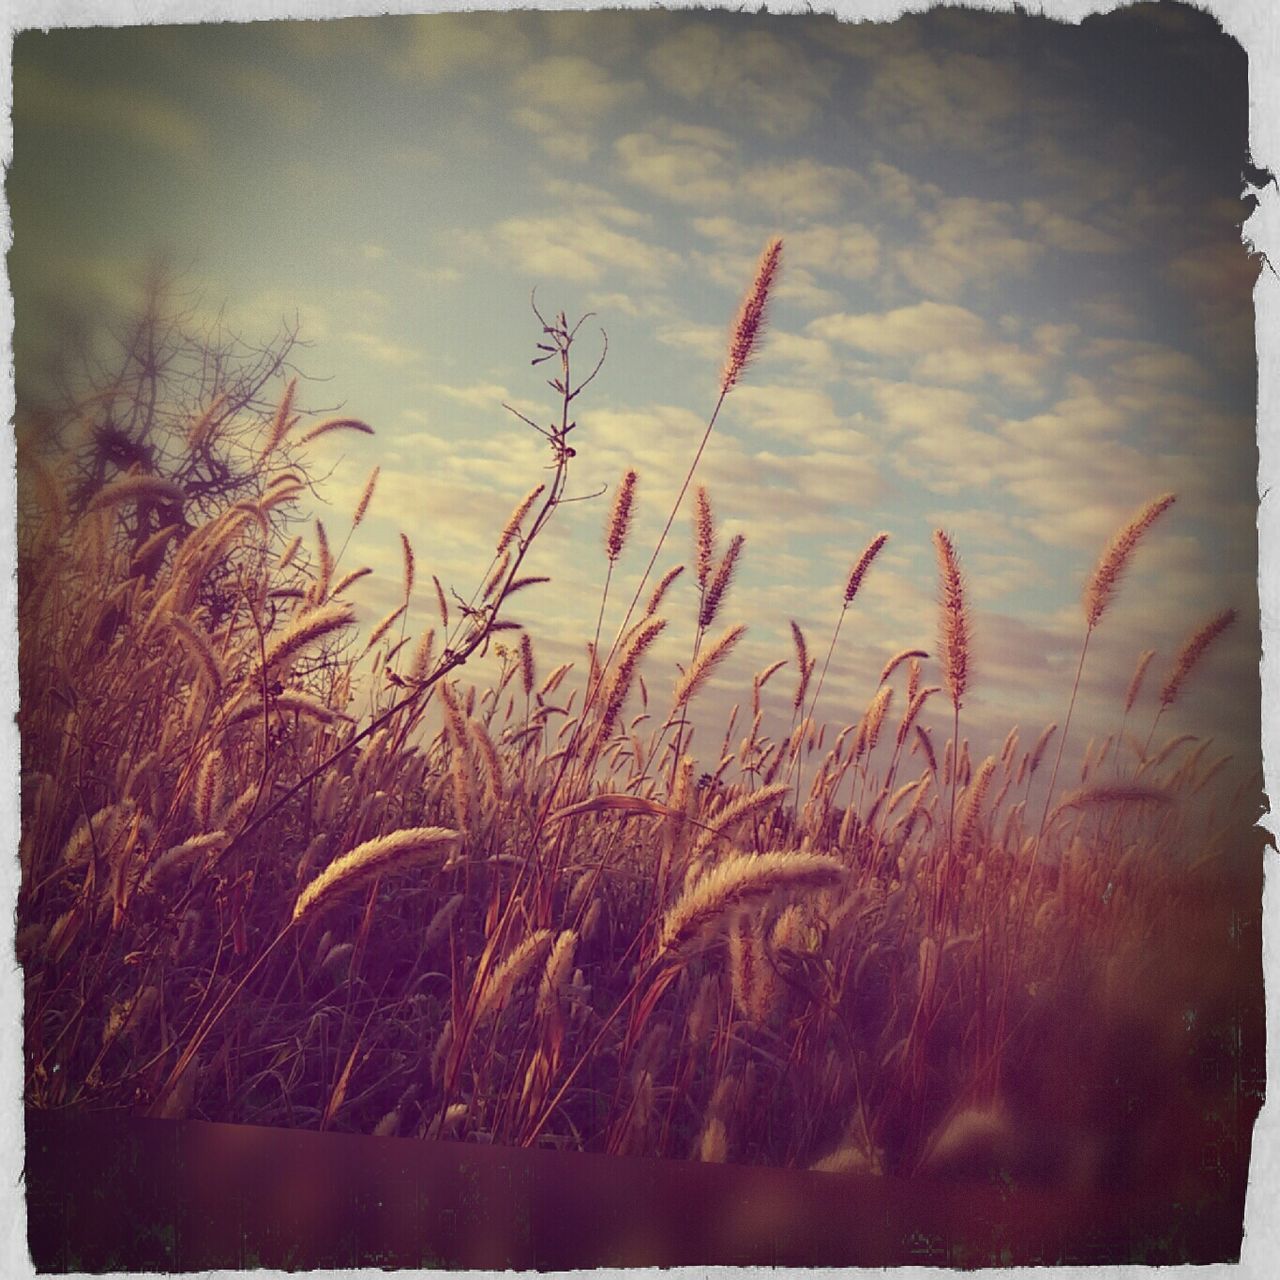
(1014,304)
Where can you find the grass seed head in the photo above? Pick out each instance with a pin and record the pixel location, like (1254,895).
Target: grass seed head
(748,328)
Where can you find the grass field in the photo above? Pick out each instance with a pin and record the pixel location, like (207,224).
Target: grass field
(282,869)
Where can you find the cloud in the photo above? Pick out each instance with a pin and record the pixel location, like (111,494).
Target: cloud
(1107,311)
(318,311)
(957,460)
(794,357)
(610,36)
(779,490)
(708,342)
(639,306)
(907,331)
(605,203)
(849,249)
(900,194)
(934,100)
(1077,494)
(1013,368)
(486,396)
(963,240)
(1150,362)
(769,83)
(339,38)
(911,406)
(803,414)
(996,575)
(1082,412)
(942,342)
(572,86)
(797,355)
(135,114)
(1071,235)
(441,46)
(796,189)
(564,99)
(1218,277)
(793,494)
(833,252)
(733,269)
(695,165)
(413,157)
(580,245)
(382,350)
(683,163)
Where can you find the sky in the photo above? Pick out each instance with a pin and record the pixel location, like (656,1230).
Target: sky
(1014,304)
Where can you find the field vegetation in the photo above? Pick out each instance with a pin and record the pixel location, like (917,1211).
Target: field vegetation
(279,868)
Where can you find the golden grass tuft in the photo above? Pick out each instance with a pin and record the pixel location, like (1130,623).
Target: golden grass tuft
(512,529)
(1191,653)
(954,641)
(903,655)
(637,641)
(803,664)
(704,535)
(718,585)
(503,980)
(136,489)
(358,866)
(743,878)
(755,804)
(703,666)
(664,583)
(556,975)
(305,630)
(748,327)
(1106,575)
(335,424)
(1139,674)
(615,536)
(406,550)
(861,565)
(1118,793)
(282,420)
(366,497)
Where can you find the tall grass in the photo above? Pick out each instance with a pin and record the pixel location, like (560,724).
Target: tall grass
(523,912)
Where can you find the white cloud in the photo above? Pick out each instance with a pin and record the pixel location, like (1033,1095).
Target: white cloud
(1162,366)
(578,245)
(564,99)
(803,414)
(770,83)
(383,350)
(963,241)
(935,100)
(573,86)
(943,343)
(1071,235)
(907,331)
(679,162)
(440,46)
(796,189)
(849,249)
(699,166)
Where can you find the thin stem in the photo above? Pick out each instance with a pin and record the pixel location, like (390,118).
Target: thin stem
(817,693)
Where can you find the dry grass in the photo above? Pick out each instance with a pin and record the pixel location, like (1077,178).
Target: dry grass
(831,950)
